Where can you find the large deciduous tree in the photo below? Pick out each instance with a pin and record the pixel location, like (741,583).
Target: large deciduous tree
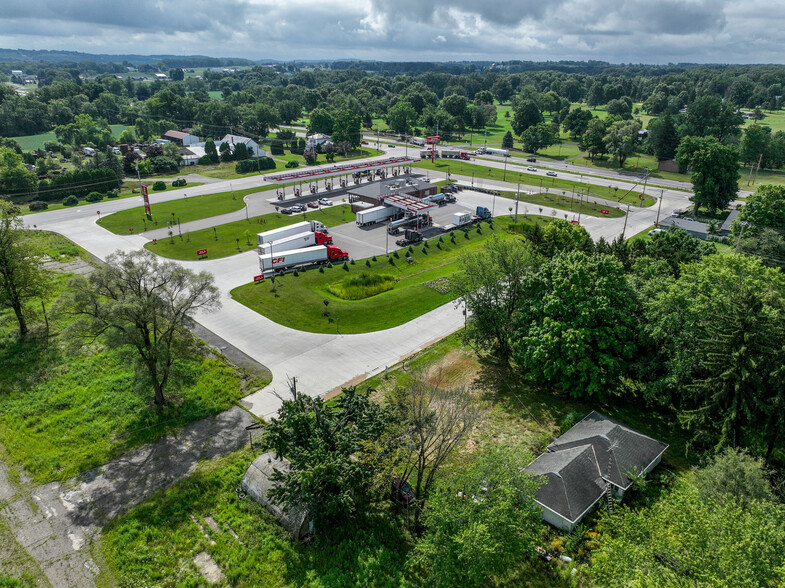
(401,117)
(577,329)
(621,139)
(21,275)
(526,114)
(765,208)
(481,521)
(715,175)
(492,286)
(137,300)
(321,442)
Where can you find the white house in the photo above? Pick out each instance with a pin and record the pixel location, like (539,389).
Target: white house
(317,139)
(191,155)
(250,144)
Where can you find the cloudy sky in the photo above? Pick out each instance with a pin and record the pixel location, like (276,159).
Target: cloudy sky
(638,31)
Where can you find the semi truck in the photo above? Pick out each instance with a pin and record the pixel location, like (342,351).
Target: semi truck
(409,237)
(460,219)
(376,214)
(454,154)
(306,239)
(422,220)
(494,151)
(320,254)
(289,230)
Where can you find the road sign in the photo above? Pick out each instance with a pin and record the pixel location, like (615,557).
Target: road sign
(146,200)
(259,278)
(201,252)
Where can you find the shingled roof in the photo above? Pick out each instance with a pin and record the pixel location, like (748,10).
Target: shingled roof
(574,483)
(619,449)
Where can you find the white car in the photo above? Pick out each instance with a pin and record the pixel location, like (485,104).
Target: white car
(325,202)
(531,168)
(655,231)
(551,173)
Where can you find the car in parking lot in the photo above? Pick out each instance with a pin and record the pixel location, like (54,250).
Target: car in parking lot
(313,204)
(287,210)
(363,142)
(551,173)
(297,208)
(532,159)
(531,168)
(325,202)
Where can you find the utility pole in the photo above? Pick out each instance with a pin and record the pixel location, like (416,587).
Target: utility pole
(743,226)
(580,206)
(504,177)
(517,196)
(659,206)
(626,216)
(757,169)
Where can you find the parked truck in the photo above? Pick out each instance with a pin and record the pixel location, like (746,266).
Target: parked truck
(418,221)
(494,151)
(318,255)
(454,154)
(376,214)
(460,219)
(418,141)
(306,239)
(289,230)
(409,237)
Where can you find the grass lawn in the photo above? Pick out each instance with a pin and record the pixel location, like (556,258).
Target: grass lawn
(64,411)
(124,194)
(186,209)
(222,240)
(298,301)
(154,544)
(32,142)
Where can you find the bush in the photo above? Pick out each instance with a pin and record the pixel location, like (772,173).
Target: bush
(291,164)
(158,186)
(94,197)
(162,164)
(70,200)
(113,193)
(179,183)
(363,285)
(37,205)
(251,165)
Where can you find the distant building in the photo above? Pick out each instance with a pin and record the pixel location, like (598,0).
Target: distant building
(317,139)
(668,165)
(161,76)
(181,138)
(253,147)
(191,155)
(595,457)
(17,73)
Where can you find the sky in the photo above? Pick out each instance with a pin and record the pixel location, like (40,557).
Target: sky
(622,31)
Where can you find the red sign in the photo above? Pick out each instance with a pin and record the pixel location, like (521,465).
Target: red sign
(259,278)
(604,211)
(574,222)
(146,199)
(201,252)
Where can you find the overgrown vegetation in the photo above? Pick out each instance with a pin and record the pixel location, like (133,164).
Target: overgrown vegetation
(363,285)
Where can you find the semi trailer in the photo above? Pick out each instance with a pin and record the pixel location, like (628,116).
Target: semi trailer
(460,219)
(306,239)
(494,151)
(289,230)
(376,214)
(318,255)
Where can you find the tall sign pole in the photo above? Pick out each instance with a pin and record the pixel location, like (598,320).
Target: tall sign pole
(146,199)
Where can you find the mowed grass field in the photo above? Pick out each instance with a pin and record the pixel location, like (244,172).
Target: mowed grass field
(298,301)
(32,142)
(236,237)
(185,209)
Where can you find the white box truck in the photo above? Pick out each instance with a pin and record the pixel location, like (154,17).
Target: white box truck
(376,214)
(296,257)
(306,239)
(289,230)
(418,141)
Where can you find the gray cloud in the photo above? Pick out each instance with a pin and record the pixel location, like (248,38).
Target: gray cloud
(629,31)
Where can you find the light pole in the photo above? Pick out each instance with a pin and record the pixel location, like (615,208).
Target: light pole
(504,177)
(580,205)
(659,206)
(517,196)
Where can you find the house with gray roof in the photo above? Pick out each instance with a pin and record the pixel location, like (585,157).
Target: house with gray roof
(596,456)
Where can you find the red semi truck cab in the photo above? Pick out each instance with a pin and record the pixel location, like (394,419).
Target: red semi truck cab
(323,238)
(336,254)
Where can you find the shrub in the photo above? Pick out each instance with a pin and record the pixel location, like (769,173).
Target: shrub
(113,193)
(291,164)
(158,186)
(70,200)
(251,165)
(179,183)
(362,285)
(94,197)
(37,205)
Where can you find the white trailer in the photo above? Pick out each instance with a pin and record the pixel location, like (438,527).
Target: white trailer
(494,151)
(376,214)
(459,219)
(299,241)
(289,230)
(418,141)
(297,257)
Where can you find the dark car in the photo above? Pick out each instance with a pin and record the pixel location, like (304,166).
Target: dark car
(287,210)
(532,159)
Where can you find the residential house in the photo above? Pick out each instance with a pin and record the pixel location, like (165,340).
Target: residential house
(250,144)
(317,139)
(596,457)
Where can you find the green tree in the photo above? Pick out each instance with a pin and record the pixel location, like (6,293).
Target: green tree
(507,141)
(320,121)
(540,136)
(492,287)
(289,110)
(715,175)
(621,139)
(210,150)
(481,521)
(347,128)
(261,118)
(322,441)
(502,89)
(754,143)
(401,117)
(765,209)
(21,275)
(734,476)
(15,180)
(577,121)
(593,139)
(664,137)
(710,116)
(526,113)
(136,300)
(577,330)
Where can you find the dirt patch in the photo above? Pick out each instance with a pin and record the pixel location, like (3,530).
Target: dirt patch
(208,568)
(337,390)
(455,369)
(441,285)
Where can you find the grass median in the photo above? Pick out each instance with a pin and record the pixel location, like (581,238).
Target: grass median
(184,209)
(238,236)
(304,302)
